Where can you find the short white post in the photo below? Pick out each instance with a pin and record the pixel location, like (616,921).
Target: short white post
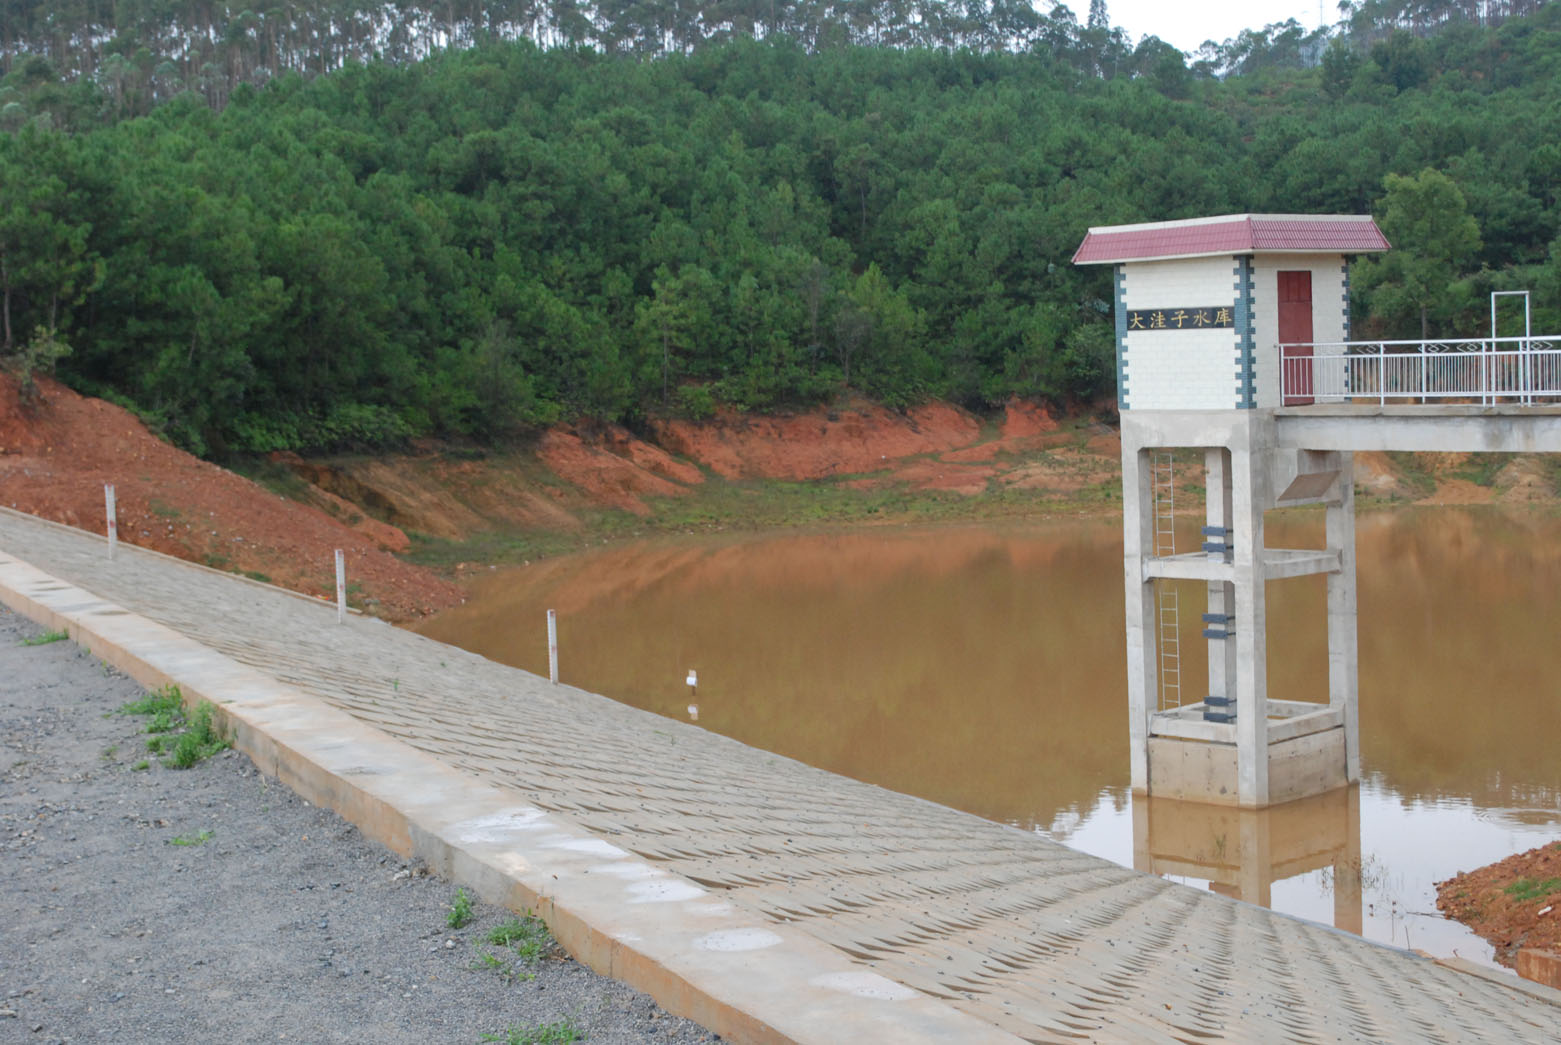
(341,588)
(113,525)
(552,646)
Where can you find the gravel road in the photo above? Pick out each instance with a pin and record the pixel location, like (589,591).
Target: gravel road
(214,905)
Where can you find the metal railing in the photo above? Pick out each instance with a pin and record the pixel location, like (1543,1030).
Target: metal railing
(1487,371)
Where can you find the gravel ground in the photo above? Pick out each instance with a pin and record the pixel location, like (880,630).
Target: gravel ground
(212,904)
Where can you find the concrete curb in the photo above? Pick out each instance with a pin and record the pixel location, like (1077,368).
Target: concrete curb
(697,955)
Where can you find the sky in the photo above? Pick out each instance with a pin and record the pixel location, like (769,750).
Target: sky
(1186,25)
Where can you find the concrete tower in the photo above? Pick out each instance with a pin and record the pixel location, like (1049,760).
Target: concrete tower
(1202,307)
(1233,341)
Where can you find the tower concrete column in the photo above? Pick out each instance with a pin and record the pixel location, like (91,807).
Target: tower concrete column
(1343,662)
(1221,594)
(1249,495)
(1142,662)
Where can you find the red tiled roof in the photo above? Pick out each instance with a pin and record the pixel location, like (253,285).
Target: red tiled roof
(1235,234)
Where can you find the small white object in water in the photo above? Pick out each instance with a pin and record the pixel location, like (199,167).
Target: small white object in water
(693,712)
(693,677)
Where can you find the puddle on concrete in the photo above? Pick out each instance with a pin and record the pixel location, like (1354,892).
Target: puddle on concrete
(983,668)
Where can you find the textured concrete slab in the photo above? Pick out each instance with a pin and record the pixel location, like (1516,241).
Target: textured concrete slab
(766,899)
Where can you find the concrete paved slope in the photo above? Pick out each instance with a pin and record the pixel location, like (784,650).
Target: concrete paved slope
(786,902)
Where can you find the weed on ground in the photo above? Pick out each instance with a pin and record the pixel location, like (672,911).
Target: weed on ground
(559,1032)
(46,638)
(527,937)
(1525,889)
(182,739)
(522,943)
(460,910)
(191,840)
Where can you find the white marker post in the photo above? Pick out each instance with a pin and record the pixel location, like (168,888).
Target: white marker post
(693,694)
(341,588)
(113,525)
(552,646)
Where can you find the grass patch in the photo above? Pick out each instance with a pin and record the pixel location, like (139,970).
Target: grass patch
(1550,468)
(165,706)
(274,476)
(460,910)
(522,943)
(559,1032)
(1525,889)
(527,937)
(46,638)
(493,547)
(190,840)
(199,742)
(1481,469)
(143,764)
(505,967)
(1414,473)
(182,739)
(757,506)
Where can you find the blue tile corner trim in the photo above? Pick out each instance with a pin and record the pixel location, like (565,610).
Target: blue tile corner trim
(1246,335)
(1346,269)
(1119,281)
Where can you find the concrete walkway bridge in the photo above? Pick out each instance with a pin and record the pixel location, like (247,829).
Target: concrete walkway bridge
(765,899)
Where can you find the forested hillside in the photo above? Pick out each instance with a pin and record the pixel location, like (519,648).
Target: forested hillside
(498,236)
(142,51)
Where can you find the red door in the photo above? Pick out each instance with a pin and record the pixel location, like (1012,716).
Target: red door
(1295,333)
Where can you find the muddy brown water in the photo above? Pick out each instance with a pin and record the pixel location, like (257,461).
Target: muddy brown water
(984,668)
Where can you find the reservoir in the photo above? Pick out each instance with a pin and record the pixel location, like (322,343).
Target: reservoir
(983,668)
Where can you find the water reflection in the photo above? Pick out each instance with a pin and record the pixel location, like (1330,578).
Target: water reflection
(1241,853)
(1390,855)
(983,668)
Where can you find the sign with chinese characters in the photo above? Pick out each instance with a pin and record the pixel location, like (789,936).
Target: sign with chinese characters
(1188,318)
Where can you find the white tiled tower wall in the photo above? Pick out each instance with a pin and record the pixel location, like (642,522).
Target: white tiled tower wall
(1180,369)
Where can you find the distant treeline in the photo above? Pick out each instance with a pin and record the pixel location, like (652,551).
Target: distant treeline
(500,236)
(142,52)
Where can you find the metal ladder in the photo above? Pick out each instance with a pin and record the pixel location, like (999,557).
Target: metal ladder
(1162,473)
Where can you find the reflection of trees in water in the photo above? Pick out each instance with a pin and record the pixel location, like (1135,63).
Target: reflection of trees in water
(1458,653)
(982,670)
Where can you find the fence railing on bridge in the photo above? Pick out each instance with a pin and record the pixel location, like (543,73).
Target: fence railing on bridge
(1486,371)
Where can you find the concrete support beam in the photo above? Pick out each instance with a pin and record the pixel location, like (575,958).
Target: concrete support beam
(1193,566)
(1343,659)
(1280,563)
(1423,427)
(1218,510)
(1142,662)
(1249,485)
(1277,564)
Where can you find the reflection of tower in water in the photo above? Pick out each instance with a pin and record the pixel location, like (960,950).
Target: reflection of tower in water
(1243,852)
